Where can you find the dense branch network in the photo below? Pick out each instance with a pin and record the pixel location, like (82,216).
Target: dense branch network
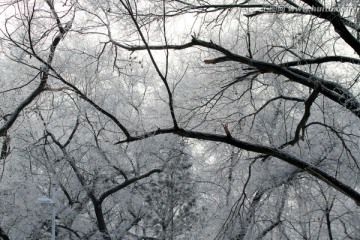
(332,90)
(44,69)
(293,71)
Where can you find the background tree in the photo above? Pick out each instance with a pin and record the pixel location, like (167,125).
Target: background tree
(171,196)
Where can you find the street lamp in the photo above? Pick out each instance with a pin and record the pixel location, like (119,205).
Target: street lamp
(44,200)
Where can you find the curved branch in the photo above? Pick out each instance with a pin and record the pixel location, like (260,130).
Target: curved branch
(3,234)
(301,125)
(91,102)
(295,99)
(320,60)
(125,184)
(44,75)
(330,89)
(14,115)
(252,147)
(318,10)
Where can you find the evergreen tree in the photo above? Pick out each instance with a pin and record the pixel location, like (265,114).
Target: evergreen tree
(171,199)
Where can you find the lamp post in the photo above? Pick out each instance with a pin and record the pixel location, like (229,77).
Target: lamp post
(52,201)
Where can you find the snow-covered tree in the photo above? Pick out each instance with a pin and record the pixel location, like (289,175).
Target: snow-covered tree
(264,91)
(171,196)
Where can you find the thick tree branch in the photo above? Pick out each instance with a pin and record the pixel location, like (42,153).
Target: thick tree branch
(100,220)
(317,9)
(252,147)
(312,3)
(44,75)
(300,127)
(126,183)
(333,17)
(329,89)
(58,22)
(91,102)
(320,60)
(3,234)
(14,115)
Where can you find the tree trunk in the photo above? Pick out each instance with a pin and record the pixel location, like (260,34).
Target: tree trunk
(101,221)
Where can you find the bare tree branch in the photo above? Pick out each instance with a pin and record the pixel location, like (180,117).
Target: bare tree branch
(277,153)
